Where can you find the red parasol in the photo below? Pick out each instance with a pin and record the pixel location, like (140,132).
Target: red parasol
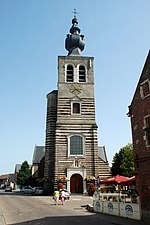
(115,180)
(129,182)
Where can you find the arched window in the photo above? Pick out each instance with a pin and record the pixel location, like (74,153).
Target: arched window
(82,75)
(76,145)
(69,77)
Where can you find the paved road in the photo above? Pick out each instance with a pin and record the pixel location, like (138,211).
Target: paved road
(21,209)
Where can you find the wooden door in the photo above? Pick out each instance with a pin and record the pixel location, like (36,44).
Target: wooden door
(76,184)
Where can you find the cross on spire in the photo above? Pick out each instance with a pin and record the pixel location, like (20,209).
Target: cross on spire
(75,12)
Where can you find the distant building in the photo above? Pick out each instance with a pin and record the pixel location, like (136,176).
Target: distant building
(17,168)
(3,179)
(71,150)
(139,112)
(105,169)
(6,179)
(38,162)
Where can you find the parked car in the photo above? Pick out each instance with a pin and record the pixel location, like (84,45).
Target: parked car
(67,194)
(8,189)
(3,186)
(27,190)
(37,191)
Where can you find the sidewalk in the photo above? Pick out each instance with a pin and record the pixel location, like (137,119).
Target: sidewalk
(2,220)
(118,219)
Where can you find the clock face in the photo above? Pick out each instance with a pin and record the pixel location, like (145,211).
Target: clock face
(76,89)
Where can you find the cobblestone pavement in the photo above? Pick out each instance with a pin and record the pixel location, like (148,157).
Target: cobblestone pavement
(40,210)
(20,208)
(2,220)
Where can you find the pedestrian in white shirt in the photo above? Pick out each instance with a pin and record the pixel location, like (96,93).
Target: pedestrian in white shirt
(62,197)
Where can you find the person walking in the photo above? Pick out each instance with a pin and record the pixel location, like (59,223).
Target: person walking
(62,195)
(56,196)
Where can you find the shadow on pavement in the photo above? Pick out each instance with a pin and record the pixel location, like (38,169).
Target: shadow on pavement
(95,219)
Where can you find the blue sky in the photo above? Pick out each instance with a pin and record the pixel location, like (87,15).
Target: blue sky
(32,36)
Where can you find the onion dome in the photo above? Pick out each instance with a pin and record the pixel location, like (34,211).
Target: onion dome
(74,42)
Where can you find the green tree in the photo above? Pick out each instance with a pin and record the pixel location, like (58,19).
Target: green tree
(123,162)
(24,174)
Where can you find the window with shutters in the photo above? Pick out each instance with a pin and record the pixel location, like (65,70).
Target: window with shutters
(82,74)
(147,129)
(69,73)
(145,89)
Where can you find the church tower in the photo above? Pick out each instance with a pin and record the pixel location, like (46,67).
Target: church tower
(71,130)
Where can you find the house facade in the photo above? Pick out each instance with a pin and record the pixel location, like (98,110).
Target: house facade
(7,179)
(139,112)
(71,148)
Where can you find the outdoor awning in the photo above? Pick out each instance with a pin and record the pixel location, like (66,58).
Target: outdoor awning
(115,180)
(129,182)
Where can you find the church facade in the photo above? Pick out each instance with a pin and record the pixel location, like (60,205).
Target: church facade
(71,148)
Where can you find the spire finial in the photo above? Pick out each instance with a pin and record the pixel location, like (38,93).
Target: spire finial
(75,12)
(74,42)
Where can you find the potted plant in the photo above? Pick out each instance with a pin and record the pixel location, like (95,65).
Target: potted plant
(90,179)
(91,189)
(62,179)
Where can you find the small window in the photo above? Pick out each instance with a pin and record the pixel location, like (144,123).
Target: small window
(145,89)
(82,77)
(76,108)
(76,145)
(69,77)
(147,129)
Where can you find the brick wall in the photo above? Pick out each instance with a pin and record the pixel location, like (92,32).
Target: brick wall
(138,110)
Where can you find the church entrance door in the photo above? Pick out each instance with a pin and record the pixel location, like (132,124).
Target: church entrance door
(76,184)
